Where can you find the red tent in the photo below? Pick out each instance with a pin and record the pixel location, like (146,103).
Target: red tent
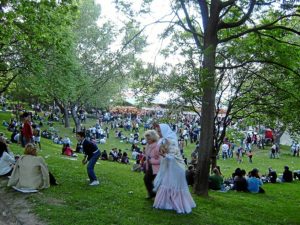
(269,133)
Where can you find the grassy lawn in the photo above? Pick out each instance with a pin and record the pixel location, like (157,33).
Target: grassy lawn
(120,197)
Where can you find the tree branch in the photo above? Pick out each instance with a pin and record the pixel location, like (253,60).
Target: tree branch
(254,29)
(190,25)
(227,3)
(204,13)
(278,40)
(262,62)
(223,25)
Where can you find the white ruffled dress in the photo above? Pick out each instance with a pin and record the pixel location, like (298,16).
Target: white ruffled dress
(171,186)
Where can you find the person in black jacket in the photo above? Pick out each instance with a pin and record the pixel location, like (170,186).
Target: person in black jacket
(287,175)
(91,155)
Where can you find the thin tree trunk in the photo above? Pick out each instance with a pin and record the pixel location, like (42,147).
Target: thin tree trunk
(76,119)
(64,109)
(66,117)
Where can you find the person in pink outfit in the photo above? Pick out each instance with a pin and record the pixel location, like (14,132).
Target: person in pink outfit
(170,182)
(152,161)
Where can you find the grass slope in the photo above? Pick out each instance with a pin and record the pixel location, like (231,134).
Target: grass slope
(120,197)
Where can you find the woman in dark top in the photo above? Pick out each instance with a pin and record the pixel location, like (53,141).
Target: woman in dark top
(104,155)
(239,181)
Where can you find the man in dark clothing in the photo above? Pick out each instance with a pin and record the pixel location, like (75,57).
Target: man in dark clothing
(287,175)
(91,155)
(272,175)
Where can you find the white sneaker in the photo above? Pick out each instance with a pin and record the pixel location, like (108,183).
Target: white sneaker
(94,183)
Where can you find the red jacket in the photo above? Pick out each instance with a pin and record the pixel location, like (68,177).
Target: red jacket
(27,131)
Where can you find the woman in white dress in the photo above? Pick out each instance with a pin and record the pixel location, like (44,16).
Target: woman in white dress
(170,182)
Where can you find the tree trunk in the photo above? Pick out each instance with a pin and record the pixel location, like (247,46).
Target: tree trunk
(278,134)
(64,109)
(208,103)
(207,123)
(66,117)
(76,119)
(213,156)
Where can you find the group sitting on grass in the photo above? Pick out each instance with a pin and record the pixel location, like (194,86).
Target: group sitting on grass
(27,173)
(241,181)
(115,156)
(251,182)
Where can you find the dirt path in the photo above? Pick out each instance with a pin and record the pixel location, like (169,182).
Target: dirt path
(15,209)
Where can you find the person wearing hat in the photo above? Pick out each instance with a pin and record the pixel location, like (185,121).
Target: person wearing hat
(287,175)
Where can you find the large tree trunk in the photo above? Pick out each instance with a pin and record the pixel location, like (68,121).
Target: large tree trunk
(208,102)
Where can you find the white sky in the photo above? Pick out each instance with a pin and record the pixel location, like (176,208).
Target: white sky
(160,8)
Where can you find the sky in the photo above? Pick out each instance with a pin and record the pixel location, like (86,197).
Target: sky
(159,8)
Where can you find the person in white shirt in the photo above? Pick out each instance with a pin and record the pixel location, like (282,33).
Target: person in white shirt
(66,140)
(134,154)
(7,159)
(225,148)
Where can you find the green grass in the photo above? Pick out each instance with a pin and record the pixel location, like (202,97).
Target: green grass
(120,197)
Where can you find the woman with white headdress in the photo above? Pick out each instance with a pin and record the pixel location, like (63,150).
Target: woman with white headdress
(170,182)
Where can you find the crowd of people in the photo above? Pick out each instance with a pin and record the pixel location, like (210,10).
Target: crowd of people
(159,153)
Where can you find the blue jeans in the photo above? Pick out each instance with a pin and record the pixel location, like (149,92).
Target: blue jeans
(91,165)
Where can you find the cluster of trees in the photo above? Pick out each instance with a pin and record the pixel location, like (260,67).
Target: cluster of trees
(62,51)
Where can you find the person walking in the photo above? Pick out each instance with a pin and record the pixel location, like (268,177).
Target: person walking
(91,156)
(152,161)
(170,182)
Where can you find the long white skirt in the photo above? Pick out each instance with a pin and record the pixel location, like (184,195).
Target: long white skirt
(171,186)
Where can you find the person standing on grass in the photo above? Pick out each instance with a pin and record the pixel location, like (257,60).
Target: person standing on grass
(37,135)
(27,132)
(170,182)
(152,161)
(91,155)
(250,155)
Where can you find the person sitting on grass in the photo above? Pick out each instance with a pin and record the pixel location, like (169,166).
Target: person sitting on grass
(119,155)
(239,180)
(104,155)
(66,150)
(31,171)
(7,159)
(137,167)
(190,175)
(297,174)
(272,176)
(215,181)
(254,182)
(124,158)
(134,155)
(113,155)
(287,175)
